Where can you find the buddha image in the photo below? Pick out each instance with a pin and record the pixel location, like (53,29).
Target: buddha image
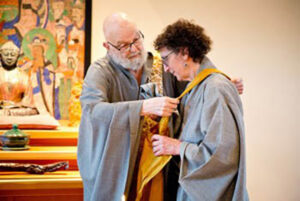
(42,78)
(13,83)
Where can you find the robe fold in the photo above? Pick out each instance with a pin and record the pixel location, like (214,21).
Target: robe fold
(109,130)
(212,153)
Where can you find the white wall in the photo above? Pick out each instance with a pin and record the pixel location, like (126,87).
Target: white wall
(258,40)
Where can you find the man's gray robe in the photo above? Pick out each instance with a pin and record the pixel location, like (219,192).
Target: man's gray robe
(212,154)
(109,129)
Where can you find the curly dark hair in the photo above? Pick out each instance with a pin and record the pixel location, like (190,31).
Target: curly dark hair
(184,34)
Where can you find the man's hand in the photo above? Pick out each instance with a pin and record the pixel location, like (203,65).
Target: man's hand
(161,106)
(238,82)
(163,145)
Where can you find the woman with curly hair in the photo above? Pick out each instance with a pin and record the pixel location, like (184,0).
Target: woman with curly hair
(209,150)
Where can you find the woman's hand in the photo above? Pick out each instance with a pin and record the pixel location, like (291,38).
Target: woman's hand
(163,145)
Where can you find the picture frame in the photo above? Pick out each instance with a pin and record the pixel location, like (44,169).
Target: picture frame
(53,43)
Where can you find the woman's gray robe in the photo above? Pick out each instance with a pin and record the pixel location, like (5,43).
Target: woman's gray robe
(212,154)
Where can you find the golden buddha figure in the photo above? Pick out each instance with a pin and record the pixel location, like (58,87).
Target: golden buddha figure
(13,83)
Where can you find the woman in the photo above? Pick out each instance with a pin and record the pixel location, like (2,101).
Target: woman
(210,147)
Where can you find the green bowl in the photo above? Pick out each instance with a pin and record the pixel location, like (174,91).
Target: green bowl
(14,138)
(14,141)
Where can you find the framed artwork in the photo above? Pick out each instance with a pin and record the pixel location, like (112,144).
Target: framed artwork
(44,50)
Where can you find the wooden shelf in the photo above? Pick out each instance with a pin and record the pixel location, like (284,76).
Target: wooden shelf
(52,180)
(46,146)
(60,133)
(14,175)
(41,153)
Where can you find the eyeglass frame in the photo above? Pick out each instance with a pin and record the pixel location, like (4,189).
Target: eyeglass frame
(141,35)
(165,58)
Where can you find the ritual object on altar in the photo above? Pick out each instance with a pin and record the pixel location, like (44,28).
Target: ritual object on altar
(34,168)
(15,139)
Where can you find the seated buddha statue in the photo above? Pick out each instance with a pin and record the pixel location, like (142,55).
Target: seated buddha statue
(13,84)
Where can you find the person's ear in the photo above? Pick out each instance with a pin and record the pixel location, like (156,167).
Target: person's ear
(105,45)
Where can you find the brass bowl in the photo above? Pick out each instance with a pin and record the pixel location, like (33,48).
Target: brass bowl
(14,138)
(14,141)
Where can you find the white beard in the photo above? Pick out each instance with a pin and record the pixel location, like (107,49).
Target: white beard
(130,64)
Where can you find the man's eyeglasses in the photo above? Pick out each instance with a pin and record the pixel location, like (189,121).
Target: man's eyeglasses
(127,47)
(165,59)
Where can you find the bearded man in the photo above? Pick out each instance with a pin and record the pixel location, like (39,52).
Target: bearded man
(111,112)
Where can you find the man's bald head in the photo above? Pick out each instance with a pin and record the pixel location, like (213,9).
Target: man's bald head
(117,27)
(124,42)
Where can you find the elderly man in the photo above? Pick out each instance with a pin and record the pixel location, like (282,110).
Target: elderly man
(109,133)
(111,112)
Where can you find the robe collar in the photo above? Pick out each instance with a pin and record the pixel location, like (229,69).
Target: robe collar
(147,69)
(205,63)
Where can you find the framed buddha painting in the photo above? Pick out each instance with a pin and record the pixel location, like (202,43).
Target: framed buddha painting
(44,49)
